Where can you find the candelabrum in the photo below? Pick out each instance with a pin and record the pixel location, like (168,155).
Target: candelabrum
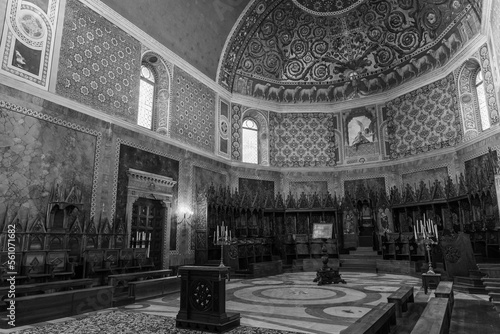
(426,233)
(222,237)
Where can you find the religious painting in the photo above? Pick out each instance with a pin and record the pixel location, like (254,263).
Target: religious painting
(376,184)
(428,176)
(308,188)
(204,178)
(361,132)
(251,187)
(27,43)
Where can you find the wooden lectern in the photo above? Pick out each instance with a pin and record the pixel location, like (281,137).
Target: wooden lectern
(203,300)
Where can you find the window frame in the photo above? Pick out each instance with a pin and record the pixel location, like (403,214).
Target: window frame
(257,146)
(153,98)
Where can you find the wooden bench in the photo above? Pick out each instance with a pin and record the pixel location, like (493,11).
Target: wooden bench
(435,319)
(39,288)
(154,287)
(445,290)
(124,279)
(400,298)
(377,321)
(36,308)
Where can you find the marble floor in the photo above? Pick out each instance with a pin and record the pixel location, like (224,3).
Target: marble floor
(293,302)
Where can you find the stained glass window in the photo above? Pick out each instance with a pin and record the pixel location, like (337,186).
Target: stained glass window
(481,97)
(250,142)
(146,98)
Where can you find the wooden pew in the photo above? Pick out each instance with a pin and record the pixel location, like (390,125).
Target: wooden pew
(401,298)
(120,283)
(435,319)
(445,290)
(154,287)
(377,321)
(36,308)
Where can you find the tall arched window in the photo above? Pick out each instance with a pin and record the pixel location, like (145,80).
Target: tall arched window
(146,98)
(250,140)
(481,98)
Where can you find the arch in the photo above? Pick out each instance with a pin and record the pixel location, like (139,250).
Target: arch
(263,133)
(161,105)
(468,98)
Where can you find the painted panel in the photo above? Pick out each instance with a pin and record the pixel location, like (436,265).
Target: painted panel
(204,178)
(254,186)
(193,113)
(375,184)
(428,176)
(99,64)
(308,188)
(27,44)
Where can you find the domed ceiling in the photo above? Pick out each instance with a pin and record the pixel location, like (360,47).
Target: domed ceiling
(333,50)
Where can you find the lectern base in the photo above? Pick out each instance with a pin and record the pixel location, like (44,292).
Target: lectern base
(220,326)
(328,276)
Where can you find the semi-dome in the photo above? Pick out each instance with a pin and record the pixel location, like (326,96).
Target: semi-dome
(323,50)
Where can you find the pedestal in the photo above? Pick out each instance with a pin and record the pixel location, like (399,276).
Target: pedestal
(203,300)
(327,275)
(430,281)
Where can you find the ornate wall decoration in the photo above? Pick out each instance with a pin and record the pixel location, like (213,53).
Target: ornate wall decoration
(305,51)
(302,140)
(192,118)
(376,184)
(251,187)
(99,64)
(425,119)
(236,122)
(468,100)
(28,40)
(224,128)
(495,31)
(488,84)
(35,150)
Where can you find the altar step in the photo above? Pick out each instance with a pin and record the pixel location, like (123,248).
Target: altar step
(363,259)
(469,285)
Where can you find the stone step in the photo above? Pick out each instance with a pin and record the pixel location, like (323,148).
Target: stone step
(468,281)
(469,289)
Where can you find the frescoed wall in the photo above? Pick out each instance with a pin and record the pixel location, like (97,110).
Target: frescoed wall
(428,176)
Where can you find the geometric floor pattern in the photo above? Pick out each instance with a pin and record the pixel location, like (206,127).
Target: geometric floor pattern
(287,302)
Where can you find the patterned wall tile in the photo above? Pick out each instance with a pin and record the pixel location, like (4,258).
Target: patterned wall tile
(425,119)
(28,40)
(302,140)
(99,64)
(193,112)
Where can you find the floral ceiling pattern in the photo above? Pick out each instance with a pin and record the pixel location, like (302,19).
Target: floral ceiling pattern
(322,51)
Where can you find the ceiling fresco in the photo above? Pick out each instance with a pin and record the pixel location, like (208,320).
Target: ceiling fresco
(323,50)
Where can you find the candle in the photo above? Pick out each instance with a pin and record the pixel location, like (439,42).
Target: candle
(415,232)
(436,231)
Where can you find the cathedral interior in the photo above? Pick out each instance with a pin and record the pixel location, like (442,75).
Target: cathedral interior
(324,155)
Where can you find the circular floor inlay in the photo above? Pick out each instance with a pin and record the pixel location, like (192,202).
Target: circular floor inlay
(299,293)
(135,306)
(381,288)
(268,282)
(347,311)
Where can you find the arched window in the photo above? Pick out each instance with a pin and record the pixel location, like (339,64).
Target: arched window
(481,98)
(146,98)
(250,140)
